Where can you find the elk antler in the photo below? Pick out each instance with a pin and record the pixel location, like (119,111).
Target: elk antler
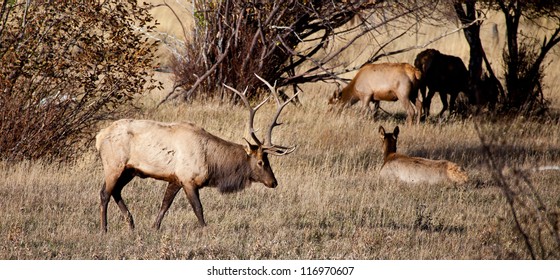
(252,112)
(271,148)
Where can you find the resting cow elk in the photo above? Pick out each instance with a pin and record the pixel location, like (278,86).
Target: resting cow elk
(186,156)
(383,82)
(415,169)
(441,73)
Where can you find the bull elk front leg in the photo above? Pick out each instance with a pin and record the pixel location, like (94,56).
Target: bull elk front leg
(194,199)
(170,193)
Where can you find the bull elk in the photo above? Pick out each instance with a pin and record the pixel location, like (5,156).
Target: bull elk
(186,156)
(415,169)
(383,82)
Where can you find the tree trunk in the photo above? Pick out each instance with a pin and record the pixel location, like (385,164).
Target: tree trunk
(512,15)
(468,16)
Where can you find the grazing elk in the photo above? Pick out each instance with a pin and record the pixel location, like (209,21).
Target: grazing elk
(415,169)
(383,82)
(441,73)
(186,156)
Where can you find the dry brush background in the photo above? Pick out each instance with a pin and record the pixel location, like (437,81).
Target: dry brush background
(330,203)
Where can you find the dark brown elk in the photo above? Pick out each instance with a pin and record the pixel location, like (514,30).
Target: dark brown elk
(186,156)
(415,169)
(383,82)
(444,74)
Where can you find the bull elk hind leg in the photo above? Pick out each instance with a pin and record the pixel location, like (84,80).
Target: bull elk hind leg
(114,183)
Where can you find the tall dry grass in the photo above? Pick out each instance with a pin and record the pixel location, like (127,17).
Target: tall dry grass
(330,203)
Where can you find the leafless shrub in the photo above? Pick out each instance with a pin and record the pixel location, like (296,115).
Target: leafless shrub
(526,53)
(65,66)
(525,92)
(290,42)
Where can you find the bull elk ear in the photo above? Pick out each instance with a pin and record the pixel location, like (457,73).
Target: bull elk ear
(250,148)
(396,132)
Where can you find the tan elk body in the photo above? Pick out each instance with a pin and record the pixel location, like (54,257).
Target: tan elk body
(383,82)
(415,169)
(186,156)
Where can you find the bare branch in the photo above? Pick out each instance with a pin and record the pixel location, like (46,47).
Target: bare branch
(199,80)
(268,39)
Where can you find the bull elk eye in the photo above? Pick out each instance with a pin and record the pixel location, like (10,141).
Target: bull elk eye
(260,163)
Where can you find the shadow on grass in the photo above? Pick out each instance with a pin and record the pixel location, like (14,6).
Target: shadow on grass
(473,156)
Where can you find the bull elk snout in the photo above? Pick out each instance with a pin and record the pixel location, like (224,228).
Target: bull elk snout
(271,184)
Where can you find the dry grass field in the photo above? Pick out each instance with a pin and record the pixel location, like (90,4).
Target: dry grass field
(330,202)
